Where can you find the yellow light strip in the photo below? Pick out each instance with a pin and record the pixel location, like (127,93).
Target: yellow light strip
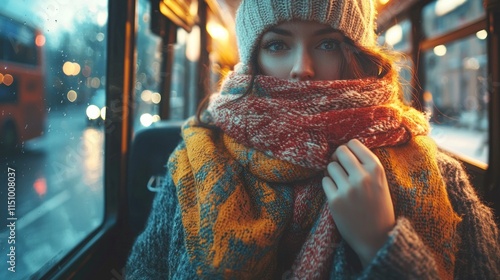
(177,12)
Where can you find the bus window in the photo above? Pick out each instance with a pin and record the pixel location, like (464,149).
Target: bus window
(397,37)
(52,64)
(456,84)
(148,70)
(442,16)
(180,74)
(186,59)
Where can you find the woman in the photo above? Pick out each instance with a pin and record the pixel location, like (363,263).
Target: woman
(307,165)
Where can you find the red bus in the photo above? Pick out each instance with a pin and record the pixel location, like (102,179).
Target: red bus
(22,106)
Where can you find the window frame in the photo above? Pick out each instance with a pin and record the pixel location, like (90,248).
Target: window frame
(484,177)
(98,251)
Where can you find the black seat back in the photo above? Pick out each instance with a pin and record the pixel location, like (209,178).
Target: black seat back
(149,153)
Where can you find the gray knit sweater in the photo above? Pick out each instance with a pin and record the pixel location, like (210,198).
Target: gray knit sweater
(159,252)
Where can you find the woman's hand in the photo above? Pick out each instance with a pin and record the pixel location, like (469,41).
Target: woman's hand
(359,199)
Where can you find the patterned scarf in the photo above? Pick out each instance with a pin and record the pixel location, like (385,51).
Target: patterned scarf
(251,195)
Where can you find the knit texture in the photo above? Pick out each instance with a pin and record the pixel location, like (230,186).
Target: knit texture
(232,216)
(354,18)
(160,251)
(236,188)
(304,122)
(421,197)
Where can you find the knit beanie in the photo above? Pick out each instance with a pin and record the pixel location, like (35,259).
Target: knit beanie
(354,18)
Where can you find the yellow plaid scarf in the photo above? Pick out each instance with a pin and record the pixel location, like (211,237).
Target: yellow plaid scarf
(234,204)
(238,203)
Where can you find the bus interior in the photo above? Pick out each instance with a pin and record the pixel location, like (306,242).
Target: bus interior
(84,183)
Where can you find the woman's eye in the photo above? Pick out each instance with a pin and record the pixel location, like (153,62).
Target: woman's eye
(275,46)
(329,45)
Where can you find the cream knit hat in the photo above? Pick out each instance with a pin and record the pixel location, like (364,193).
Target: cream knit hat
(354,18)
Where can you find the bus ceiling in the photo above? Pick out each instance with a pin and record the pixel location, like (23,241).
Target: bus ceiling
(216,16)
(388,8)
(184,13)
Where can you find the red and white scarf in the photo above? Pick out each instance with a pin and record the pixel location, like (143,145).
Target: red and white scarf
(304,122)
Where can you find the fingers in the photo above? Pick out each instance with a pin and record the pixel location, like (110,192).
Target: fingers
(352,153)
(337,173)
(347,159)
(362,153)
(336,178)
(353,165)
(329,187)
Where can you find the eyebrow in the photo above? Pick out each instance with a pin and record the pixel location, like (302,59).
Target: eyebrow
(284,32)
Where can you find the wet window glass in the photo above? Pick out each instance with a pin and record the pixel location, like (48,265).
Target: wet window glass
(16,42)
(185,87)
(181,70)
(52,106)
(456,96)
(441,16)
(397,38)
(149,59)
(183,90)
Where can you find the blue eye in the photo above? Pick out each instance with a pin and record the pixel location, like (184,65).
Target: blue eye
(275,46)
(329,45)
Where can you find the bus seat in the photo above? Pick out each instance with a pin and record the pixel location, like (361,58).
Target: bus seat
(149,153)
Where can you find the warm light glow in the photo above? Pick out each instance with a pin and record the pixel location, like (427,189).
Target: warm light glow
(383,2)
(76,69)
(445,6)
(146,95)
(394,35)
(71,68)
(8,79)
(178,12)
(92,154)
(146,119)
(482,34)
(72,95)
(217,31)
(1,78)
(40,40)
(93,112)
(156,98)
(440,50)
(193,7)
(427,96)
(181,36)
(40,186)
(193,44)
(156,118)
(103,113)
(67,68)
